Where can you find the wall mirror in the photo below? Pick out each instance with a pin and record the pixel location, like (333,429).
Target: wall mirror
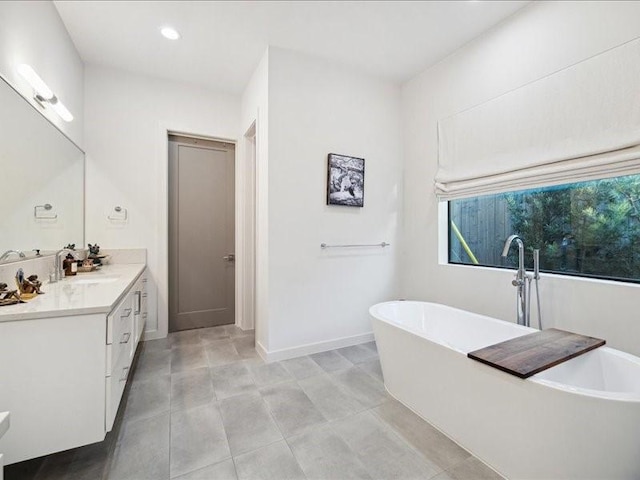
(41,180)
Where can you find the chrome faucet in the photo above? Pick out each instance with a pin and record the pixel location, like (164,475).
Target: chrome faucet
(6,254)
(522,281)
(59,273)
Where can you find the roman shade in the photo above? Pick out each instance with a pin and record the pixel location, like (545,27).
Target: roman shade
(580,123)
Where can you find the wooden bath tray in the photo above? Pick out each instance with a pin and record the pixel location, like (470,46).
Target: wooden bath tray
(530,354)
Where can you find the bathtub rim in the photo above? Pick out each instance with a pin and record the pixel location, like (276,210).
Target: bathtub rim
(630,397)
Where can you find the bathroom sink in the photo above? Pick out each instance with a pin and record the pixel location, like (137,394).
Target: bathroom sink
(92,280)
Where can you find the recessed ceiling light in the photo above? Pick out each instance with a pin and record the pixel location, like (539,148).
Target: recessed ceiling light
(170,33)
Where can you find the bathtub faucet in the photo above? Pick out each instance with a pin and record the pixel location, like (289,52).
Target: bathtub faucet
(522,282)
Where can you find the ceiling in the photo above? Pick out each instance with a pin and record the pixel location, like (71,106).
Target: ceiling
(222,41)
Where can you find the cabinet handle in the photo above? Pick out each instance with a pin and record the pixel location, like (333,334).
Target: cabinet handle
(144,295)
(125,370)
(126,334)
(138,295)
(128,310)
(144,280)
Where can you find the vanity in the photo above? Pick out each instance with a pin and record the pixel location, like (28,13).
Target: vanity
(66,355)
(65,358)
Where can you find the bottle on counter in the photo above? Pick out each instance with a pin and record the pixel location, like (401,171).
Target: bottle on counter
(70,266)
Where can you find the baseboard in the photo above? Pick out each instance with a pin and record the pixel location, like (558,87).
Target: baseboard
(310,348)
(264,355)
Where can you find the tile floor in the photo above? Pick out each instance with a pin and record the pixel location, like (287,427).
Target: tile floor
(202,405)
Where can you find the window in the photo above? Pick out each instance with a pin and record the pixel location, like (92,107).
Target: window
(590,229)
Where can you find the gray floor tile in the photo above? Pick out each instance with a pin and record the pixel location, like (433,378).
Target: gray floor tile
(302,367)
(384,454)
(273,462)
(233,379)
(268,373)
(357,353)
(90,462)
(291,408)
(248,423)
(245,346)
(213,334)
(143,450)
(373,368)
(371,346)
(361,385)
(147,398)
(198,439)
(191,388)
(234,331)
(155,345)
(221,352)
(188,357)
(252,363)
(332,401)
(152,364)
(432,444)
(185,338)
(388,441)
(323,455)
(331,361)
(224,470)
(470,469)
(53,467)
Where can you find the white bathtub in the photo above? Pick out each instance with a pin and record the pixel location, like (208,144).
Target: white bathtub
(580,419)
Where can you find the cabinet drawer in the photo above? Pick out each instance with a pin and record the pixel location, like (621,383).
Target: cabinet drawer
(114,323)
(123,334)
(114,388)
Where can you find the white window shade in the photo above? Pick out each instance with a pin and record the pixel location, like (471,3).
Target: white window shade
(578,124)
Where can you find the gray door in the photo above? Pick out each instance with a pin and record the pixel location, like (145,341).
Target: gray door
(201,233)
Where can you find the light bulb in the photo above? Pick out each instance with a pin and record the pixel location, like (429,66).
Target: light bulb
(60,109)
(170,33)
(35,81)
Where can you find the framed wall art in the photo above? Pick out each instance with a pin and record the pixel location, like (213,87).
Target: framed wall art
(345,180)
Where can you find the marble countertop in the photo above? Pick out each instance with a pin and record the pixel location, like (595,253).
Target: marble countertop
(4,424)
(82,294)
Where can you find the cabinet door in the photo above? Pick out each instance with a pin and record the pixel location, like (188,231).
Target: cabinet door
(120,331)
(140,305)
(114,389)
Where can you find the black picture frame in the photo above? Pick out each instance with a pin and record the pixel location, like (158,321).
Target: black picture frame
(345,180)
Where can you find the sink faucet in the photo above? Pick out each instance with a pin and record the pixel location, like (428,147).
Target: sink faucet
(6,254)
(59,274)
(522,281)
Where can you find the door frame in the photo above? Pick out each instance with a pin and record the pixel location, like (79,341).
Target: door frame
(245,280)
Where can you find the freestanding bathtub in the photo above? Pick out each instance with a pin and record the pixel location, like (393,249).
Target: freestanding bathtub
(578,420)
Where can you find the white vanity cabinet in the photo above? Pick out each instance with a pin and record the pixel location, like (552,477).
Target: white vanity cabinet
(125,325)
(62,377)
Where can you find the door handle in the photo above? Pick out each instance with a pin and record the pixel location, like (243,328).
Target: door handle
(229,258)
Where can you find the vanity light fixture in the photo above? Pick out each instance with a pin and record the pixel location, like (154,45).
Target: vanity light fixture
(170,33)
(42,93)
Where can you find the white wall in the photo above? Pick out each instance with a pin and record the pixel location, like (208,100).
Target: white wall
(33,33)
(537,41)
(322,297)
(127,118)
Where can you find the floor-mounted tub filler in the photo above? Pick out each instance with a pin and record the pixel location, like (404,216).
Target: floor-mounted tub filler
(578,420)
